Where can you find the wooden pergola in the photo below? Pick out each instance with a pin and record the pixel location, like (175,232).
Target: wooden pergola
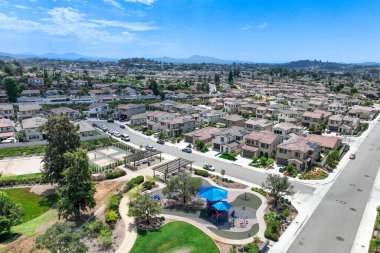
(141,155)
(171,166)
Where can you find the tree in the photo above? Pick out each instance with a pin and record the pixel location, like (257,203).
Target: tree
(62,137)
(161,135)
(10,213)
(152,84)
(144,208)
(217,80)
(11,89)
(61,238)
(278,187)
(184,186)
(230,78)
(201,146)
(223,172)
(77,191)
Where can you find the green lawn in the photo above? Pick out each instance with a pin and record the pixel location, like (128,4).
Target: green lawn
(172,237)
(22,151)
(33,204)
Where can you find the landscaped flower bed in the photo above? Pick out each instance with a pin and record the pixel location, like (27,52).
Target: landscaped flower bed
(316,174)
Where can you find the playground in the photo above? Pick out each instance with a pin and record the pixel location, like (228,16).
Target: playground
(106,155)
(229,214)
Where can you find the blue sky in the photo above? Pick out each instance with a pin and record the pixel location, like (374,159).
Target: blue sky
(252,30)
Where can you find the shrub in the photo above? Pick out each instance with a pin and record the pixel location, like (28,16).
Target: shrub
(260,191)
(272,231)
(115,173)
(111,217)
(201,173)
(255,159)
(314,174)
(94,228)
(105,237)
(149,132)
(250,248)
(148,185)
(133,183)
(114,202)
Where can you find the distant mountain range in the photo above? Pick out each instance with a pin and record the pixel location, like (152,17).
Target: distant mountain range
(195,59)
(67,56)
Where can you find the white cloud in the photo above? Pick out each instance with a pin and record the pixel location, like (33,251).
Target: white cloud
(23,7)
(67,22)
(113,3)
(133,26)
(246,27)
(147,2)
(262,25)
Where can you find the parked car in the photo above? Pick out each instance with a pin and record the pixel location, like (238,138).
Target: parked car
(143,129)
(209,167)
(122,126)
(187,150)
(161,142)
(352,156)
(282,169)
(125,137)
(155,135)
(110,121)
(118,135)
(150,148)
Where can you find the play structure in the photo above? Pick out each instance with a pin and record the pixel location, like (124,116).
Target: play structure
(215,205)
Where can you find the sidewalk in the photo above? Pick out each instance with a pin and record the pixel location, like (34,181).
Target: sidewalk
(130,234)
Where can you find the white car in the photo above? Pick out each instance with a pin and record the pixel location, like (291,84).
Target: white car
(150,148)
(209,167)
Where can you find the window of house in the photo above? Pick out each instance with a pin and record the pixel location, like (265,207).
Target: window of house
(297,154)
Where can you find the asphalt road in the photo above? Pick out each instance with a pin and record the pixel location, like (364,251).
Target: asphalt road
(334,224)
(232,170)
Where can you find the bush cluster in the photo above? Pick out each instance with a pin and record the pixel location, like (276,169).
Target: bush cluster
(201,173)
(260,191)
(133,183)
(272,232)
(115,173)
(148,185)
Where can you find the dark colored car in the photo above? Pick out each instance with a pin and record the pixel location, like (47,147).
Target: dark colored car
(161,142)
(282,169)
(122,126)
(110,121)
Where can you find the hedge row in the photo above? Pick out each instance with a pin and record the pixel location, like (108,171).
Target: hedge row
(115,173)
(133,183)
(201,173)
(29,179)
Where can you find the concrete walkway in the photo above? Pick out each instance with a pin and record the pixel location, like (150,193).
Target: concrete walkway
(130,233)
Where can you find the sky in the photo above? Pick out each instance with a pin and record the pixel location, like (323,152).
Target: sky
(247,30)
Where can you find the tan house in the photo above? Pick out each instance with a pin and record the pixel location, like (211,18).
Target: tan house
(258,125)
(326,142)
(298,151)
(260,143)
(7,128)
(204,134)
(6,110)
(232,120)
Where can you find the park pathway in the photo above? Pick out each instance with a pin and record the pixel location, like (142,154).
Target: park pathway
(130,233)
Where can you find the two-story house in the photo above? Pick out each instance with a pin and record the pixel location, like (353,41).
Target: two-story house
(7,128)
(28,110)
(233,106)
(232,120)
(258,125)
(97,110)
(229,140)
(71,113)
(177,126)
(343,124)
(212,116)
(284,130)
(154,119)
(34,81)
(6,110)
(128,110)
(315,118)
(289,116)
(362,112)
(261,143)
(298,151)
(329,143)
(31,128)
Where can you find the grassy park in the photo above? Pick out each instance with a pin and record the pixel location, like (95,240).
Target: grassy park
(173,237)
(33,204)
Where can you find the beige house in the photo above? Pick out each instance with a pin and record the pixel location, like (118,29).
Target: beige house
(298,151)
(30,127)
(129,110)
(28,110)
(232,120)
(6,110)
(7,128)
(261,143)
(204,134)
(258,125)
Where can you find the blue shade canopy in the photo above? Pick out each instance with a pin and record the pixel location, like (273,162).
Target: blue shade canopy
(222,206)
(213,193)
